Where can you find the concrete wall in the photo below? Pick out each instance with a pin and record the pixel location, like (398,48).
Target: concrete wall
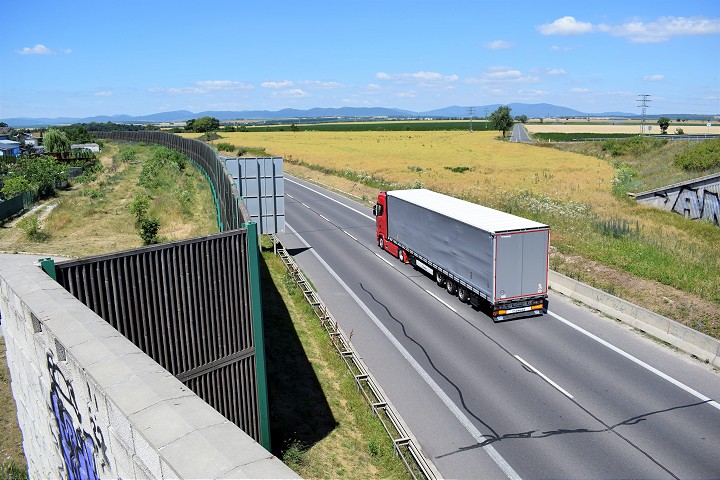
(697,199)
(91,404)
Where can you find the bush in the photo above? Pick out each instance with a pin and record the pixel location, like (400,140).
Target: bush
(625,181)
(149,228)
(32,229)
(635,146)
(225,147)
(458,169)
(701,156)
(140,206)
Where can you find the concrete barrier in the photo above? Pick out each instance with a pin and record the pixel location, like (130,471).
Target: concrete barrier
(691,341)
(92,405)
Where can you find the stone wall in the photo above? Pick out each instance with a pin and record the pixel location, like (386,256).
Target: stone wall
(91,404)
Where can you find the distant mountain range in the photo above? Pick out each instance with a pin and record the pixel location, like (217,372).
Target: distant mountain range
(535,110)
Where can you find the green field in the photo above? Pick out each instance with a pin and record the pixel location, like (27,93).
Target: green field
(364,126)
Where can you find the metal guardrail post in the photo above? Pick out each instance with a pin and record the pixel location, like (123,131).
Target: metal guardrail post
(253,254)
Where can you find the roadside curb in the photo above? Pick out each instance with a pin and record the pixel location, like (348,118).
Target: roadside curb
(698,344)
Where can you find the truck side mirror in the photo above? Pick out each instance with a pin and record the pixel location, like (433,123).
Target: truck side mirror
(377,210)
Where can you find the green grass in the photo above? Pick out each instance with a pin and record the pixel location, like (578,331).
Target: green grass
(321,426)
(397,126)
(570,137)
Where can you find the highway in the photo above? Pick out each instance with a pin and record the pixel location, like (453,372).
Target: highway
(571,394)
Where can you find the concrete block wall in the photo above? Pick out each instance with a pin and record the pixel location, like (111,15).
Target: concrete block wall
(91,404)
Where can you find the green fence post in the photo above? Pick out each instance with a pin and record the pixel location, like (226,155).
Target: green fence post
(48,266)
(258,334)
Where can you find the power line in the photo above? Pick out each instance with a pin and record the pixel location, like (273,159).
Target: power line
(643,101)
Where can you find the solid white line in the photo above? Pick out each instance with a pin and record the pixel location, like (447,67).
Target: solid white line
(305,205)
(440,300)
(544,377)
(290,196)
(384,259)
(462,418)
(346,233)
(330,198)
(636,360)
(324,218)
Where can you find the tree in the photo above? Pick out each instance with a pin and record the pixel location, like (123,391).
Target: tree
(501,119)
(203,124)
(56,141)
(664,123)
(521,118)
(39,175)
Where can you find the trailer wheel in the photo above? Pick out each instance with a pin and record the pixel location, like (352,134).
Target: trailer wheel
(463,294)
(381,243)
(439,278)
(451,287)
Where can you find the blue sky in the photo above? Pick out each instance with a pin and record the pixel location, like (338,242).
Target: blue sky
(84,58)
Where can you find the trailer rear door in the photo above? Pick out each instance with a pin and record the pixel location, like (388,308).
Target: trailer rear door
(521,267)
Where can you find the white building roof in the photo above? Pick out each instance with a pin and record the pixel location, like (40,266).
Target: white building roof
(485,218)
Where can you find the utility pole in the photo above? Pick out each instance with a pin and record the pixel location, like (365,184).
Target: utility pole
(471,112)
(643,101)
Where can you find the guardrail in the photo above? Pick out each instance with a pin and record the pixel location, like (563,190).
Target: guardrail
(404,442)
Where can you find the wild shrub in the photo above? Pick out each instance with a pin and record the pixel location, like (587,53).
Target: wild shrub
(625,181)
(140,206)
(701,156)
(458,169)
(635,146)
(225,147)
(32,229)
(149,228)
(616,227)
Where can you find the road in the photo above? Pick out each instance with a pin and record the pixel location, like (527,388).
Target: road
(520,134)
(568,395)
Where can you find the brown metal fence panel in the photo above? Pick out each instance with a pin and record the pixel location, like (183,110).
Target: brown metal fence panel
(186,304)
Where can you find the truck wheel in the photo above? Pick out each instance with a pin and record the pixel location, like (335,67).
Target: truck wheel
(451,287)
(439,279)
(463,294)
(381,243)
(402,255)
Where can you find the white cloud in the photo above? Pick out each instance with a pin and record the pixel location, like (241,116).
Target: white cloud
(223,85)
(556,71)
(292,93)
(502,76)
(319,84)
(422,76)
(102,94)
(637,31)
(281,84)
(38,49)
(579,90)
(565,26)
(534,93)
(653,78)
(664,28)
(497,45)
(557,48)
(373,86)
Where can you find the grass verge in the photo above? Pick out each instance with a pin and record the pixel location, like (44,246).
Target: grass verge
(12,459)
(321,426)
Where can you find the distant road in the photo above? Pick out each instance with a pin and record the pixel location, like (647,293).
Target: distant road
(519,134)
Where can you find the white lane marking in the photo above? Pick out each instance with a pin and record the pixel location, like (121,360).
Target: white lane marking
(545,377)
(346,233)
(636,360)
(290,196)
(440,300)
(305,205)
(384,259)
(462,418)
(330,198)
(324,218)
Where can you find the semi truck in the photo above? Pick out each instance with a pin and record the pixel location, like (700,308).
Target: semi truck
(486,257)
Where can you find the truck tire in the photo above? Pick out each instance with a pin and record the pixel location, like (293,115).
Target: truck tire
(451,287)
(439,279)
(402,255)
(381,243)
(463,294)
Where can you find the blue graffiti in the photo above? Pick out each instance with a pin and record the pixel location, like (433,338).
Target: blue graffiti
(78,448)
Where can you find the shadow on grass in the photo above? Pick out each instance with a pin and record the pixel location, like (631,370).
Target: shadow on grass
(299,411)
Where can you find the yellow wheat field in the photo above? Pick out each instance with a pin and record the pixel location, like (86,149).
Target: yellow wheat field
(408,157)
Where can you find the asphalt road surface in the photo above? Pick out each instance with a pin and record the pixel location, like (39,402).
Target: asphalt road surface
(570,394)
(519,134)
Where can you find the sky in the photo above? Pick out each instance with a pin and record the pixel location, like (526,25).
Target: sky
(82,58)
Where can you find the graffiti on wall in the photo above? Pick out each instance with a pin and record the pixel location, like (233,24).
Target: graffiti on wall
(698,204)
(82,452)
